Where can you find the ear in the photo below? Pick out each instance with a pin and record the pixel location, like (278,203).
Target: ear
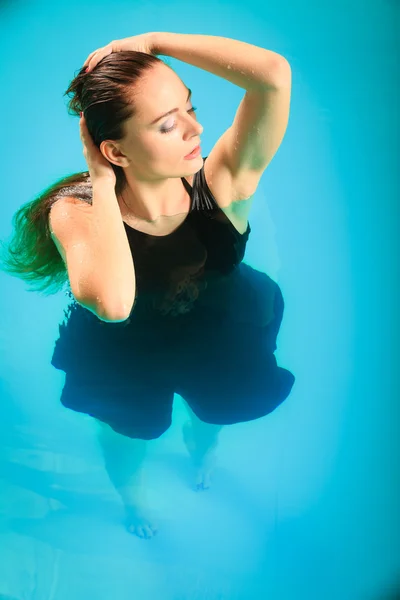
(113,153)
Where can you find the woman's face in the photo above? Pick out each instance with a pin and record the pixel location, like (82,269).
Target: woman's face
(154,146)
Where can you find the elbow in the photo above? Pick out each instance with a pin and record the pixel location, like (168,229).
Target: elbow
(283,72)
(116,314)
(104,312)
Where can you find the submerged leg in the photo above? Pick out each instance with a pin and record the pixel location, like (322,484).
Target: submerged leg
(201,441)
(123,458)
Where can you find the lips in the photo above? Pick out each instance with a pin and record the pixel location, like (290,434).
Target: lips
(195,148)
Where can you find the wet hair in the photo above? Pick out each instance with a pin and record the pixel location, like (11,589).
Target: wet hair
(106,96)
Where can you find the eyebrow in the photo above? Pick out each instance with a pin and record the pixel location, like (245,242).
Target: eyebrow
(173,110)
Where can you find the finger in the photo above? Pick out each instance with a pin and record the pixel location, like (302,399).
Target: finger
(84,130)
(98,56)
(94,59)
(85,64)
(93,62)
(84,133)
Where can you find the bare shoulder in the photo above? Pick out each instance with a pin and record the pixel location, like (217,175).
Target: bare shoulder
(69,220)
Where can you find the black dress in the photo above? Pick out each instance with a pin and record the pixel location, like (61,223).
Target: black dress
(204,325)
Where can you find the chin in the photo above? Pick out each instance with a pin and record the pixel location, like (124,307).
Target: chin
(193,170)
(195,164)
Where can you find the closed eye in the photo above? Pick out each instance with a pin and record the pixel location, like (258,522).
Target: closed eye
(169,129)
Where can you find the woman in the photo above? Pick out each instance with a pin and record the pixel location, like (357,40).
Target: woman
(150,242)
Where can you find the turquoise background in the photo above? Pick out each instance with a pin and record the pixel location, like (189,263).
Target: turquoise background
(305,502)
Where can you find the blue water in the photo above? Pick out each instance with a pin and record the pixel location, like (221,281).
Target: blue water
(304,502)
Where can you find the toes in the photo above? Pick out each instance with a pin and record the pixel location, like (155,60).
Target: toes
(202,485)
(203,480)
(149,532)
(143,531)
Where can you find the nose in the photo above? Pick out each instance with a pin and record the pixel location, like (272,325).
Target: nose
(193,128)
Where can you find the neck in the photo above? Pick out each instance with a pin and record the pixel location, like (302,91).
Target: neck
(149,201)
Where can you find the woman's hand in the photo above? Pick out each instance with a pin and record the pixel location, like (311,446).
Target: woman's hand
(99,167)
(145,42)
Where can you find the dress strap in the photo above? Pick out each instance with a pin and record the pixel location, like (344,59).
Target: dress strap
(187,185)
(202,197)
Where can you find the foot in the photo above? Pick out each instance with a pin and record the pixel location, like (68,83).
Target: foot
(203,473)
(203,461)
(139,522)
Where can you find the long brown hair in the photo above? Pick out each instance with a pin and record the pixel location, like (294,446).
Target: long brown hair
(105,95)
